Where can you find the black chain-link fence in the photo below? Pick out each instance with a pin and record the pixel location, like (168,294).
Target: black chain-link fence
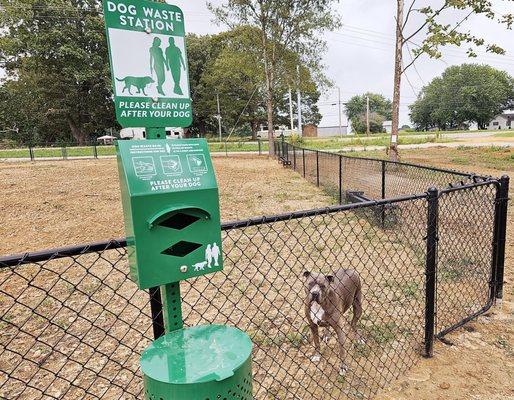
(376,179)
(73,324)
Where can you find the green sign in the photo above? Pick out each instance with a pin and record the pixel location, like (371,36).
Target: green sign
(149,68)
(171,204)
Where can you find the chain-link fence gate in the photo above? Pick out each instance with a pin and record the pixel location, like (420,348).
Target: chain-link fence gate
(73,324)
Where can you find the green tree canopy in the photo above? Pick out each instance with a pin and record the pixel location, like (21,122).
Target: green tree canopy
(231,66)
(376,122)
(380,111)
(58,82)
(462,95)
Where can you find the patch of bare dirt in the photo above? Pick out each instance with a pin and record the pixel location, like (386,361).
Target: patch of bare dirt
(51,204)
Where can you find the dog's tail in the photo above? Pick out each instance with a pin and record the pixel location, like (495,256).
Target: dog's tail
(121,80)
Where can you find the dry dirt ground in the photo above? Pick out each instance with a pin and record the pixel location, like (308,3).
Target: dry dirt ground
(58,203)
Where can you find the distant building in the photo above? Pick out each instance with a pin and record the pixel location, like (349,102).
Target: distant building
(279,130)
(310,130)
(388,126)
(503,121)
(328,131)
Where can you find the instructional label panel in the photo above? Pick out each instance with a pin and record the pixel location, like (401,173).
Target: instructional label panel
(167,165)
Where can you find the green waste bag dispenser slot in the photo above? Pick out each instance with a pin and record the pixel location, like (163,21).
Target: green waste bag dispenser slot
(171,202)
(172,220)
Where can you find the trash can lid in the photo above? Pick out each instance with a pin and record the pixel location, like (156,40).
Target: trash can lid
(196,355)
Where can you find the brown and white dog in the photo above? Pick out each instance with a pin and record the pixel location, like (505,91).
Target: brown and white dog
(328,298)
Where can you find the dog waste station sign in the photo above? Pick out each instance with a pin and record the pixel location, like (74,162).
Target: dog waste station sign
(149,68)
(171,205)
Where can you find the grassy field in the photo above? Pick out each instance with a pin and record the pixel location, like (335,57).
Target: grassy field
(466,158)
(88,151)
(246,145)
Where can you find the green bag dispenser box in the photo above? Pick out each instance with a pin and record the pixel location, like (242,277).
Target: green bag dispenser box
(171,203)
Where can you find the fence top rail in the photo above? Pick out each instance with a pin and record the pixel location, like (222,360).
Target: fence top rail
(425,167)
(70,251)
(468,186)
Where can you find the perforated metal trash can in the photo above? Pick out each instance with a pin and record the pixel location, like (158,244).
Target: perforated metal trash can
(211,362)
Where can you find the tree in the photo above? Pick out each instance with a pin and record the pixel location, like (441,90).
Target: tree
(230,66)
(356,109)
(437,35)
(284,26)
(462,95)
(56,51)
(376,123)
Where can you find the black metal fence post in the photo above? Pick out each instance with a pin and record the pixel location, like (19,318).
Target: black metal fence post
(260,146)
(383,179)
(340,179)
(502,232)
(303,159)
(31,153)
(156,310)
(95,151)
(317,168)
(64,153)
(294,157)
(383,210)
(431,270)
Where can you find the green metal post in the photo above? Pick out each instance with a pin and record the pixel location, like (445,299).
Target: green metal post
(170,293)
(172,307)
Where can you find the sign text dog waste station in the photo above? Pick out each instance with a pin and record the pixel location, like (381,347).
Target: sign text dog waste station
(147,50)
(171,204)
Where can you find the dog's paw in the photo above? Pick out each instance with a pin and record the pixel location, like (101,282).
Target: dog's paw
(343,370)
(316,358)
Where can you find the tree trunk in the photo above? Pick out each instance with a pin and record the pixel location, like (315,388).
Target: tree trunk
(398,58)
(255,128)
(77,131)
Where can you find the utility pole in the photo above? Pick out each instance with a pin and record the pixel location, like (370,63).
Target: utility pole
(299,96)
(291,110)
(219,114)
(367,115)
(340,113)
(398,62)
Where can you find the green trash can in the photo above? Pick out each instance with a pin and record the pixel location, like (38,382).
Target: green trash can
(212,362)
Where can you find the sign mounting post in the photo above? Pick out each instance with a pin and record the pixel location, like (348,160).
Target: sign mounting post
(150,78)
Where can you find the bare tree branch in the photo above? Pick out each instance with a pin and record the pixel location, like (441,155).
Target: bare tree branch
(427,21)
(408,14)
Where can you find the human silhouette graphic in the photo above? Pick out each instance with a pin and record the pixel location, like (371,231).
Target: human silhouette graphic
(208,256)
(174,63)
(158,64)
(215,252)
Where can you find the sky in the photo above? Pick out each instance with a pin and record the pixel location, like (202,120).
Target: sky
(360,54)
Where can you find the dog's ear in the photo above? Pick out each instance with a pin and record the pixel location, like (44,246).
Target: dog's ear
(306,274)
(330,278)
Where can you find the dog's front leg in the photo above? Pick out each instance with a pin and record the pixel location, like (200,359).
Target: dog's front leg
(315,338)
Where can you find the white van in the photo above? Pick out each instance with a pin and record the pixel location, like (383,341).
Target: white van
(140,133)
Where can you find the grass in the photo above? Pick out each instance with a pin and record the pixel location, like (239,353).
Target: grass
(87,151)
(509,134)
(493,157)
(336,143)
